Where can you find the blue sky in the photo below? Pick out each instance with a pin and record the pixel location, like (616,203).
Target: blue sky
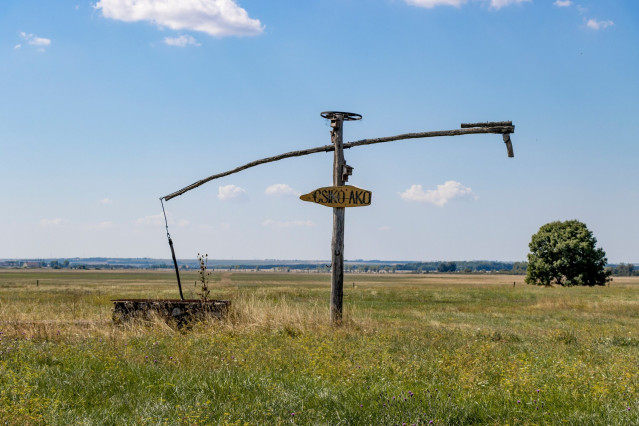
(108,105)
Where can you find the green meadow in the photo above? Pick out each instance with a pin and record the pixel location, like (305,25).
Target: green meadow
(414,349)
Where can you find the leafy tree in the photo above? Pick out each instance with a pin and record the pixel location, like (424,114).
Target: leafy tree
(624,269)
(519,268)
(447,267)
(564,253)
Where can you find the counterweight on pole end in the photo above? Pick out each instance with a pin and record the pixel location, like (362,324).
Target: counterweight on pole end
(507,125)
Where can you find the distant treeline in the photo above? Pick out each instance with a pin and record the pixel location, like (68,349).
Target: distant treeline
(624,270)
(358,266)
(465,266)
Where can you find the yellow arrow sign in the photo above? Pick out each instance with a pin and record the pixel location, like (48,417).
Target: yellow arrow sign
(339,196)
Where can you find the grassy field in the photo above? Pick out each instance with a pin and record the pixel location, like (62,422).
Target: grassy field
(414,349)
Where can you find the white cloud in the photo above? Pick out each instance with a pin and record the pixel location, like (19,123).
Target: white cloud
(152,220)
(230,192)
(384,228)
(498,4)
(17,46)
(594,24)
(106,201)
(181,41)
(52,222)
(219,227)
(34,40)
(102,226)
(158,220)
(215,17)
(440,196)
(429,4)
(281,190)
(562,3)
(288,224)
(495,4)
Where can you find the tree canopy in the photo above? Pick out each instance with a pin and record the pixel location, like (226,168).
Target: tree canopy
(447,267)
(624,270)
(564,253)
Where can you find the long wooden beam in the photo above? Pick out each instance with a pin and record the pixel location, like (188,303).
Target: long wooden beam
(327,148)
(458,132)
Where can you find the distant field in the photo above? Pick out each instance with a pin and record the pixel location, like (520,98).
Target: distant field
(451,349)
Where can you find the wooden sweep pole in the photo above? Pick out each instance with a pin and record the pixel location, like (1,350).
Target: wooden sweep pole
(337,243)
(506,129)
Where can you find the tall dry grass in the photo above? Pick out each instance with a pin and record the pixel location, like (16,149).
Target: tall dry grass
(250,311)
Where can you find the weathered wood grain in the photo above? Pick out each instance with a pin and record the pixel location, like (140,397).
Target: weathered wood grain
(342,196)
(328,148)
(487,124)
(337,242)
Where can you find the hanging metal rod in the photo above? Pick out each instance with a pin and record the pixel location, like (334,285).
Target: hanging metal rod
(501,127)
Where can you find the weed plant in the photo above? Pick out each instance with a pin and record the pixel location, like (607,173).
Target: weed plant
(204,277)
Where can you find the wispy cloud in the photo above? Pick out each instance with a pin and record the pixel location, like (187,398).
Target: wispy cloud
(158,220)
(152,220)
(215,17)
(429,4)
(384,228)
(562,3)
(281,190)
(52,222)
(440,196)
(101,226)
(219,227)
(494,4)
(231,192)
(595,24)
(181,41)
(287,224)
(32,40)
(106,201)
(498,4)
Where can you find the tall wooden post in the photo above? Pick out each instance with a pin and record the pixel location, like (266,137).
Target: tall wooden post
(337,243)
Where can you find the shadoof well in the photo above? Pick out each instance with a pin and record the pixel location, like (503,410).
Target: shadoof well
(338,197)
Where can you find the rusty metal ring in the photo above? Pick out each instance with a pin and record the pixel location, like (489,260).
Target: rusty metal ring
(348,116)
